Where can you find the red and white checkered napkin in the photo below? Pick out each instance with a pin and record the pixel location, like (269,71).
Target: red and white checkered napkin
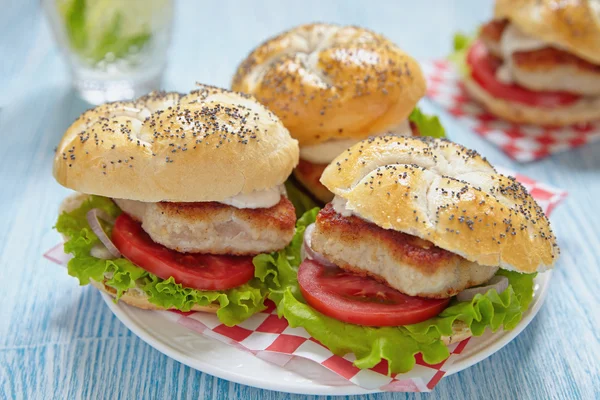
(272,339)
(523,143)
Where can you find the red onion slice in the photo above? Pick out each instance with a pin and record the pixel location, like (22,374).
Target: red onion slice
(100,251)
(92,219)
(498,282)
(308,252)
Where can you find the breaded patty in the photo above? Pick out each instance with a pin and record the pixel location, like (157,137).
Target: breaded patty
(546,69)
(404,262)
(215,228)
(490,35)
(557,70)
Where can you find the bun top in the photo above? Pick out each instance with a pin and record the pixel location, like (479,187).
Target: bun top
(205,146)
(332,82)
(442,192)
(570,25)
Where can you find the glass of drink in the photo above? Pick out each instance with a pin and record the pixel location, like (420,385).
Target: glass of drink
(116,49)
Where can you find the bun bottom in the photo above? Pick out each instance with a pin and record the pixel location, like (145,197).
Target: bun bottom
(584,111)
(460,332)
(141,300)
(309,175)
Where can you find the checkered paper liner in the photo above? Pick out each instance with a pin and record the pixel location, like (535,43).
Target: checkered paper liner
(272,339)
(522,143)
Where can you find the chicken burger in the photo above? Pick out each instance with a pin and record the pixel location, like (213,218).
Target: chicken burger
(176,194)
(538,62)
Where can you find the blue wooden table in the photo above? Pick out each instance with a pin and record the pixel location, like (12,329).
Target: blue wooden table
(58,340)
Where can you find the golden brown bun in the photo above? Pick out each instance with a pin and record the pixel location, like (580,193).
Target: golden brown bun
(309,175)
(206,146)
(140,300)
(585,110)
(332,82)
(447,194)
(570,25)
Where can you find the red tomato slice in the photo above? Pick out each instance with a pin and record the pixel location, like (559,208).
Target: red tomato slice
(196,271)
(360,300)
(483,70)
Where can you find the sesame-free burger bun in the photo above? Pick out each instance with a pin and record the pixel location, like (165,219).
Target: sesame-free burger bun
(573,26)
(585,110)
(446,194)
(205,146)
(332,82)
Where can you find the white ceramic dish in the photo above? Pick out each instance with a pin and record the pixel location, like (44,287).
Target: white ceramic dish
(215,358)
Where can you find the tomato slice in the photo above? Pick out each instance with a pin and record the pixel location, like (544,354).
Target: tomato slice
(196,271)
(360,300)
(483,70)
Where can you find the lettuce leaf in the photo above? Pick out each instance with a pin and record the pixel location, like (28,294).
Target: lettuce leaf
(235,305)
(458,57)
(428,125)
(95,29)
(397,345)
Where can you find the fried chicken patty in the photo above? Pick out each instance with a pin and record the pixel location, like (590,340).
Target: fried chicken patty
(545,69)
(215,228)
(404,262)
(491,33)
(553,69)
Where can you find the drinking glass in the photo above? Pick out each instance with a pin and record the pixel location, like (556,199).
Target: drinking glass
(115,49)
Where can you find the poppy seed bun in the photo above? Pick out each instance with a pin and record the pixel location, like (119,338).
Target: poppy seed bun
(444,193)
(569,25)
(330,82)
(209,145)
(585,110)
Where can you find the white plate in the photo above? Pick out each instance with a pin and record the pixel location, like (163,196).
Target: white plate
(213,357)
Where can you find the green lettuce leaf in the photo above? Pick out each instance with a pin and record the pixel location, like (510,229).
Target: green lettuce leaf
(96,28)
(458,57)
(235,305)
(428,125)
(397,345)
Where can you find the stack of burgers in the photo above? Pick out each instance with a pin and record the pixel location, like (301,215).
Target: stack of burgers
(181,204)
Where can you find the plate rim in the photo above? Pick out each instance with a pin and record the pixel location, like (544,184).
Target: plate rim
(319,389)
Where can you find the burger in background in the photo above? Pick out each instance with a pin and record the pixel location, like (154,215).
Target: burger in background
(424,244)
(333,86)
(537,62)
(176,194)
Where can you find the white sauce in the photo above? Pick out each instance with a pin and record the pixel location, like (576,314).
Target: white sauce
(339,204)
(258,199)
(513,40)
(326,152)
(132,207)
